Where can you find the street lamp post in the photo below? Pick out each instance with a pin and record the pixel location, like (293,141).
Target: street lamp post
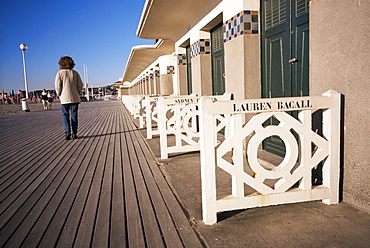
(25,104)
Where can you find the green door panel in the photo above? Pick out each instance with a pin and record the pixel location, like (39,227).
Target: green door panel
(217,57)
(188,70)
(301,67)
(218,84)
(276,81)
(284,55)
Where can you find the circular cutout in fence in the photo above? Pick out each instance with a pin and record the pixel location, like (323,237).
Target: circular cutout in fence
(291,152)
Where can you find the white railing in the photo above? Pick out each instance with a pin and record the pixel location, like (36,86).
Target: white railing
(136,105)
(139,110)
(178,118)
(127,100)
(151,116)
(237,154)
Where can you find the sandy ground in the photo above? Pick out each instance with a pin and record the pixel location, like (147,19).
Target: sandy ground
(8,109)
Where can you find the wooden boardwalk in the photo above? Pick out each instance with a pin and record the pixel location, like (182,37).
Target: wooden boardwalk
(102,190)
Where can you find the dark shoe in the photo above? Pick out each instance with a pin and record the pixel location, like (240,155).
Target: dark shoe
(74,136)
(67,135)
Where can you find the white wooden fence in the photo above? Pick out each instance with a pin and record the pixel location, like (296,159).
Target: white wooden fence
(139,112)
(178,116)
(127,100)
(136,105)
(270,186)
(151,116)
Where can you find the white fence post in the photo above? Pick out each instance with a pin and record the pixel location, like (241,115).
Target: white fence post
(148,117)
(208,168)
(152,117)
(162,127)
(331,130)
(237,156)
(305,117)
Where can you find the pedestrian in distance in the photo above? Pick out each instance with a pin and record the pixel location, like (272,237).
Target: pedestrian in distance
(44,99)
(50,100)
(68,87)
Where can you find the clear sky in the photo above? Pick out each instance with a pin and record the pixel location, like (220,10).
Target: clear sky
(98,33)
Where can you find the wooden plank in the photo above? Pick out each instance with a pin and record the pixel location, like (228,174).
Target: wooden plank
(85,231)
(22,141)
(28,184)
(19,138)
(20,208)
(60,205)
(16,168)
(52,225)
(20,212)
(82,215)
(13,147)
(118,219)
(104,189)
(135,234)
(59,184)
(101,229)
(151,229)
(168,228)
(190,239)
(33,214)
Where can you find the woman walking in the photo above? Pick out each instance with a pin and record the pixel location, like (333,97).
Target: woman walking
(68,86)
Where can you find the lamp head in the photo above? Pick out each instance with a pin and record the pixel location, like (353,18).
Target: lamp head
(23,47)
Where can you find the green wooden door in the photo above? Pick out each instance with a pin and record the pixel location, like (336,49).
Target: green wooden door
(217,56)
(188,70)
(284,53)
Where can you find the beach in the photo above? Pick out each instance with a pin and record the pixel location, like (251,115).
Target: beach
(8,109)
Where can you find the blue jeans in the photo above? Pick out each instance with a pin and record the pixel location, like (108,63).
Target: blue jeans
(70,117)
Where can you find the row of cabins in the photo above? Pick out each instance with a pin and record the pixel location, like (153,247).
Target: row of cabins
(309,56)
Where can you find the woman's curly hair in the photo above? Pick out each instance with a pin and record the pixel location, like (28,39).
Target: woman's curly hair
(66,62)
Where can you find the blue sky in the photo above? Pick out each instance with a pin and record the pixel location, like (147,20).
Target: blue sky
(98,33)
